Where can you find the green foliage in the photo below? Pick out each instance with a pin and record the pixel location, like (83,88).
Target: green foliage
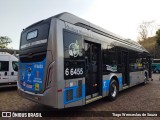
(150,44)
(4,41)
(158,37)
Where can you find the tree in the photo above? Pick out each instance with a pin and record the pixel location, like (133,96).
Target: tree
(4,41)
(158,37)
(145,30)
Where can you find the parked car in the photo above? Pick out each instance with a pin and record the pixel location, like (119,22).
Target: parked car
(8,70)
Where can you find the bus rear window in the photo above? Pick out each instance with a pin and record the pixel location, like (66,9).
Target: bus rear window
(35,35)
(32,34)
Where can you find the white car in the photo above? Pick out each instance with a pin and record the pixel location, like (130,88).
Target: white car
(8,70)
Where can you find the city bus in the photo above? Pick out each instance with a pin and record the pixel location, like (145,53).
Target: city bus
(66,61)
(156,65)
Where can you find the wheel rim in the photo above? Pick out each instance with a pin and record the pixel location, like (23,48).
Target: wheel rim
(113,90)
(145,78)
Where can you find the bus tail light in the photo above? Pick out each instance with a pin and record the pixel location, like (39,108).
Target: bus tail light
(59,90)
(49,76)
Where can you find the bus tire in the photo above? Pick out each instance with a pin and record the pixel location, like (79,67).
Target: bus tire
(113,90)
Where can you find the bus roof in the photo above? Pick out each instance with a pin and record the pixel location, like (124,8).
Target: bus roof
(70,18)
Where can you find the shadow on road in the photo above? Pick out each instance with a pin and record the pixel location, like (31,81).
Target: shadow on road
(5,89)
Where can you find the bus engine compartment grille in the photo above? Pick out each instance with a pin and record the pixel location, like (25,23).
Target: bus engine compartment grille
(69,95)
(79,89)
(74,93)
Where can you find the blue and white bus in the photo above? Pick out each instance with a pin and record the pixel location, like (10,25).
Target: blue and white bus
(66,61)
(156,65)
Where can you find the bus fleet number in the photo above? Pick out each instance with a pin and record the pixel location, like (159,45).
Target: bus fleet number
(73,71)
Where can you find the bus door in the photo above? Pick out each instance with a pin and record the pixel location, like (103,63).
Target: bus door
(92,63)
(125,68)
(150,67)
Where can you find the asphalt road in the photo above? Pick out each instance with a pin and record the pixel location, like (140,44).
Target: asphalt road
(138,98)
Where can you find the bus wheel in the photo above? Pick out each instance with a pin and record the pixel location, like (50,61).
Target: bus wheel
(113,90)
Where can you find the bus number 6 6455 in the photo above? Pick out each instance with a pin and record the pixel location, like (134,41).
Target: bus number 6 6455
(73,71)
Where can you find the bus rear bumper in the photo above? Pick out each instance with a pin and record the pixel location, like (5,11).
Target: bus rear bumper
(44,98)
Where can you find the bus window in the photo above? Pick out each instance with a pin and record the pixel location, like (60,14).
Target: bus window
(109,59)
(35,36)
(135,62)
(72,45)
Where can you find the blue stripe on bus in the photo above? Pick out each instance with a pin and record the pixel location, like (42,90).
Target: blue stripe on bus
(120,81)
(74,88)
(106,85)
(107,82)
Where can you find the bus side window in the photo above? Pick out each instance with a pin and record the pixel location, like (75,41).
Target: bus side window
(145,63)
(109,58)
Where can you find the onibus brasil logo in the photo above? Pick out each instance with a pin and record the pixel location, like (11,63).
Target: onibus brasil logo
(74,49)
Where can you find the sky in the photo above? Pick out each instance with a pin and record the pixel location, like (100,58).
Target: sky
(121,17)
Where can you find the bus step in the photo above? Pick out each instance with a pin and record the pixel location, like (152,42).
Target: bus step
(93,99)
(125,87)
